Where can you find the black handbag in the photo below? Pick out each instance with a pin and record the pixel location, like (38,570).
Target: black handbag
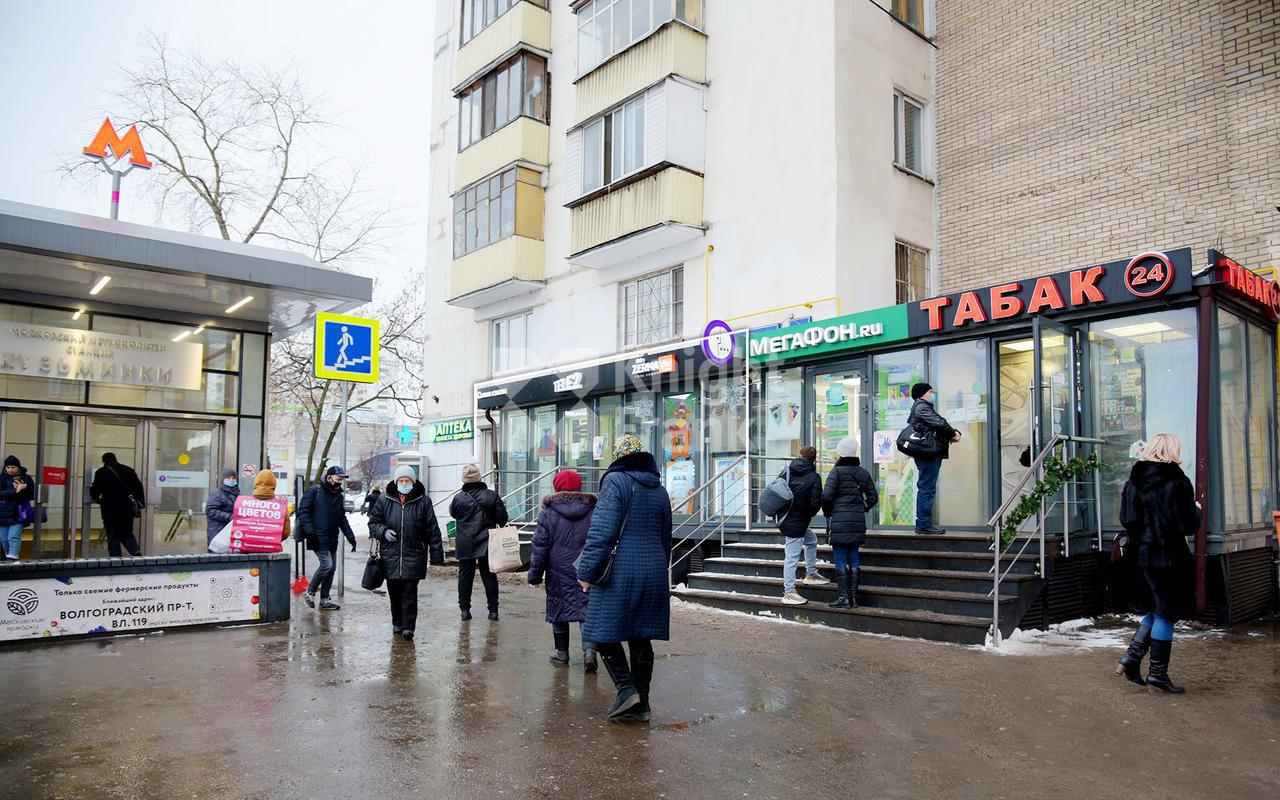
(605,575)
(374,570)
(135,507)
(919,441)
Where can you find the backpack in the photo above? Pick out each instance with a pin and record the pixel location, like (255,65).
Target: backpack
(777,495)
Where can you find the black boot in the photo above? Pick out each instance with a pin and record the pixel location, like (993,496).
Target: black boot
(1130,664)
(589,662)
(1158,673)
(561,654)
(853,587)
(615,662)
(642,673)
(842,584)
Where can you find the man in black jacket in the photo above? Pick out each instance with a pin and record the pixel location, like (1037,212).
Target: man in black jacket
(927,469)
(321,515)
(115,488)
(806,501)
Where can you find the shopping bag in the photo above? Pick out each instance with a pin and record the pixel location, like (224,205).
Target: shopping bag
(504,550)
(222,541)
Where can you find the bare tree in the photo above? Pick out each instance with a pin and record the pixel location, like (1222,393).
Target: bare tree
(241,150)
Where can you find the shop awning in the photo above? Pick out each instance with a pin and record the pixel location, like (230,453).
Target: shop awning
(53,256)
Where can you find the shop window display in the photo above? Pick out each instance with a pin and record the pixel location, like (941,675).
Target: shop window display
(679,464)
(958,373)
(837,404)
(1262,414)
(895,473)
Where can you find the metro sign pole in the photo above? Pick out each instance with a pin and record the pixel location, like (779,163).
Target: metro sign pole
(118,156)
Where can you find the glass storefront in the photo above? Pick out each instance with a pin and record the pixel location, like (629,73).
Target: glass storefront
(679,453)
(1143,370)
(895,474)
(837,400)
(958,373)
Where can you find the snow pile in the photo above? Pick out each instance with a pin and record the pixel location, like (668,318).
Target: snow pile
(1074,634)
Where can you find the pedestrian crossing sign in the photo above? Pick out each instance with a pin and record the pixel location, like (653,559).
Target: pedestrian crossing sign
(346,348)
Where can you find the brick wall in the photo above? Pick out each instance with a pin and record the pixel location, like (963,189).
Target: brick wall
(1074,136)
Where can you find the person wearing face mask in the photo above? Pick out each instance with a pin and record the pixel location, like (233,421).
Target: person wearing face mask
(220,505)
(923,415)
(404,523)
(321,515)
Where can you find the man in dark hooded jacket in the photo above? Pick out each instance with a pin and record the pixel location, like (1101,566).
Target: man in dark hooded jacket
(321,515)
(806,502)
(221,505)
(923,415)
(115,489)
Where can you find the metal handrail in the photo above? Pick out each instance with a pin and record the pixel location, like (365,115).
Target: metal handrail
(1036,467)
(450,496)
(1036,463)
(717,528)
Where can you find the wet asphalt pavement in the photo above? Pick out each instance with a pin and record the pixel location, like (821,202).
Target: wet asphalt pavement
(331,706)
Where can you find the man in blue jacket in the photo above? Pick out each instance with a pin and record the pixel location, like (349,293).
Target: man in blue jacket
(321,515)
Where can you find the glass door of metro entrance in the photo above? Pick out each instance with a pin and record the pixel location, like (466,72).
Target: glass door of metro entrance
(124,437)
(53,531)
(184,463)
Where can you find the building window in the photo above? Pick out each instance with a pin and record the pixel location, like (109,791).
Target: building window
(652,308)
(484,213)
(908,139)
(607,27)
(910,281)
(1245,420)
(480,14)
(511,343)
(613,145)
(517,87)
(910,12)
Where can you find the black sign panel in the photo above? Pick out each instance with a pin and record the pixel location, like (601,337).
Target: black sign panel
(1145,276)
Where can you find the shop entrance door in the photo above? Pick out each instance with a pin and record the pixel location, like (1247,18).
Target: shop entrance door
(1055,408)
(184,460)
(839,406)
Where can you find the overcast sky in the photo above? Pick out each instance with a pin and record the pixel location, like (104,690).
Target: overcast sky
(372,60)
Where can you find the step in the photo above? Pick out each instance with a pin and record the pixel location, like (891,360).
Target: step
(903,577)
(894,622)
(967,542)
(964,604)
(879,557)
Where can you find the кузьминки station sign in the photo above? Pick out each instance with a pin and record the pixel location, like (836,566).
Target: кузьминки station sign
(864,329)
(41,351)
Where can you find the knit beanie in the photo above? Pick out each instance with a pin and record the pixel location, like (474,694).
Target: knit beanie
(566,480)
(848,447)
(12,461)
(471,474)
(229,473)
(405,471)
(918,390)
(626,445)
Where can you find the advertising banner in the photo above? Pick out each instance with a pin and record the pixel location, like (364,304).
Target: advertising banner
(64,606)
(257,525)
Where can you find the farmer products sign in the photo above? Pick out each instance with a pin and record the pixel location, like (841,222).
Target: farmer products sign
(40,351)
(450,430)
(65,606)
(863,329)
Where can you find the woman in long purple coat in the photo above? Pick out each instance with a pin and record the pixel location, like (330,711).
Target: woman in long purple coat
(557,543)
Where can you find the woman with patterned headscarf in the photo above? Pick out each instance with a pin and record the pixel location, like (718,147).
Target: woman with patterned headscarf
(631,525)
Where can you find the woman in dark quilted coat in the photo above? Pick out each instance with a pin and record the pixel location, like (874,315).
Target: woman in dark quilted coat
(1158,510)
(633,514)
(557,543)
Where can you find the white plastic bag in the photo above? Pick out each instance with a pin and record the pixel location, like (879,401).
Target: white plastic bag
(222,542)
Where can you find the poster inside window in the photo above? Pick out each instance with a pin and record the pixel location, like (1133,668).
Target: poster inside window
(895,473)
(679,469)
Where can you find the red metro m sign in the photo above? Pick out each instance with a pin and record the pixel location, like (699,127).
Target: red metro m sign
(1142,277)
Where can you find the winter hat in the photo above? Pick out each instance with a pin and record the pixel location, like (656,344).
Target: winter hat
(918,390)
(471,474)
(12,461)
(264,484)
(335,470)
(848,447)
(566,480)
(627,444)
(230,473)
(404,471)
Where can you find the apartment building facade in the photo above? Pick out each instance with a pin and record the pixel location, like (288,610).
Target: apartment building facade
(609,176)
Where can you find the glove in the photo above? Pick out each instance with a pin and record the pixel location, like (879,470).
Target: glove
(389,535)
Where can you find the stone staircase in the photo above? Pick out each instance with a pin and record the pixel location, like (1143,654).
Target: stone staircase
(928,587)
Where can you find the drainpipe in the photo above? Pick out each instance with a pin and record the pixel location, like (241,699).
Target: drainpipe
(493,438)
